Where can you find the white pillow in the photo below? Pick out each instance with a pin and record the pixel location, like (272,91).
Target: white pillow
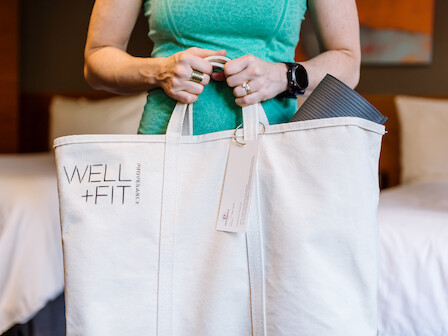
(116,115)
(424,138)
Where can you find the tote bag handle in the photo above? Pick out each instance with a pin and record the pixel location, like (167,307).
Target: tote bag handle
(169,219)
(181,121)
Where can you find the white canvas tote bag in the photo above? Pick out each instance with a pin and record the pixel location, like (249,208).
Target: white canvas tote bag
(142,255)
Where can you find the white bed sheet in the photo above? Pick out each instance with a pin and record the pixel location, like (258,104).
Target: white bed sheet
(413,222)
(413,286)
(31,268)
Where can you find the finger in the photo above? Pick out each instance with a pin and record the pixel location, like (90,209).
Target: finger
(199,52)
(250,99)
(222,52)
(200,64)
(185,97)
(240,91)
(192,87)
(237,65)
(239,78)
(188,62)
(205,79)
(218,76)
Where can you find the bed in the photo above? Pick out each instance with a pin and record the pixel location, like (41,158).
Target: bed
(31,268)
(413,223)
(413,213)
(30,246)
(413,291)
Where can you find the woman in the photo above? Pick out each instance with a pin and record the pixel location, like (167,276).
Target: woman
(258,36)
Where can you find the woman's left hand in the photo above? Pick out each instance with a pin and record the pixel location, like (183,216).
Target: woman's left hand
(265,80)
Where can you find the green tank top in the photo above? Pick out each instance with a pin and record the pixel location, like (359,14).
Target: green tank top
(268,29)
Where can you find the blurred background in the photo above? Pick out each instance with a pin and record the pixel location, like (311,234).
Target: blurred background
(404,74)
(42,52)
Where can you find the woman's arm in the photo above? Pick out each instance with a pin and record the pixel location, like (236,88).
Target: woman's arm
(109,67)
(337,27)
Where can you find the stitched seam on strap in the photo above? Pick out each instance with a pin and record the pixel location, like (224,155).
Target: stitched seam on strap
(167,236)
(256,267)
(261,261)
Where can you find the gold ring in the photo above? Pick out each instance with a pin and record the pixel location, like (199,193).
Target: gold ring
(246,86)
(235,137)
(197,76)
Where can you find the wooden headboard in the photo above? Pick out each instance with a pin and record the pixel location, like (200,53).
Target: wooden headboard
(34,121)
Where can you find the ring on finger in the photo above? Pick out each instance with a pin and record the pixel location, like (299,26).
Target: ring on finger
(246,87)
(196,76)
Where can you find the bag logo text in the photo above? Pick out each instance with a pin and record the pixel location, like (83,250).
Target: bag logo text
(105,183)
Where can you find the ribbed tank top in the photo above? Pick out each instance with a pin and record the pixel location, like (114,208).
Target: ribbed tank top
(268,29)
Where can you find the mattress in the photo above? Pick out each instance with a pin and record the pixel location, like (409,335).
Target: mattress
(31,268)
(413,286)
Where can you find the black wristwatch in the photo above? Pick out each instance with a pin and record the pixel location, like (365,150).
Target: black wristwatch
(297,81)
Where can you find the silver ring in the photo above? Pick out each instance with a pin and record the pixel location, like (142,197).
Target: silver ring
(243,143)
(246,86)
(196,76)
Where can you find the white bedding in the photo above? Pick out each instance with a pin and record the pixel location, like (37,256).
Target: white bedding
(31,271)
(413,287)
(413,219)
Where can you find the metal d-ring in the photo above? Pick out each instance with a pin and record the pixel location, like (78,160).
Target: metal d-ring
(243,143)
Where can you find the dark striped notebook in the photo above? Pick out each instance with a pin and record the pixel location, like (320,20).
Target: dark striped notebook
(332,98)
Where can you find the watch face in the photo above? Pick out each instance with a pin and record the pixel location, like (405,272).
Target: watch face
(301,77)
(297,81)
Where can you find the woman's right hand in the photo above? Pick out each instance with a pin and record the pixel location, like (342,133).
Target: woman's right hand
(109,67)
(175,73)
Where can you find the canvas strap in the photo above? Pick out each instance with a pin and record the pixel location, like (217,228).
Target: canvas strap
(167,234)
(169,218)
(254,244)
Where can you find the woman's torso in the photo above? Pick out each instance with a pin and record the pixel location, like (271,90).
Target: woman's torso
(268,29)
